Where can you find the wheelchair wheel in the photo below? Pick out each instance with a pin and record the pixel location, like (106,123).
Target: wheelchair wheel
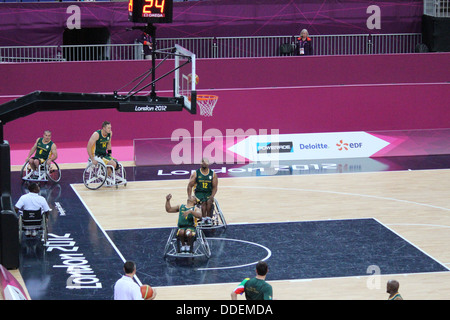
(44,225)
(94,176)
(27,173)
(203,244)
(170,243)
(219,213)
(122,173)
(20,228)
(53,172)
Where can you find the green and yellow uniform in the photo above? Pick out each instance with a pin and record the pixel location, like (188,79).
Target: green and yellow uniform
(100,147)
(101,144)
(203,187)
(188,222)
(43,150)
(255,289)
(396,296)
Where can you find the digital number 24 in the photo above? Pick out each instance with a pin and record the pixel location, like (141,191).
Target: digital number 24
(153,3)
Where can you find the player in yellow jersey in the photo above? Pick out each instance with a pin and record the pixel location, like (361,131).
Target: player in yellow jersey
(99,146)
(205,182)
(45,150)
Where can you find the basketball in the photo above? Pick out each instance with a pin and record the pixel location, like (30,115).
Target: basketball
(146,291)
(190,78)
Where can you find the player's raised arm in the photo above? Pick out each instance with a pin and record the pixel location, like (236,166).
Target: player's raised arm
(169,208)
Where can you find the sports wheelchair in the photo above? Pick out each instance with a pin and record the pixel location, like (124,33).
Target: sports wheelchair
(217,218)
(199,247)
(44,173)
(33,222)
(95,176)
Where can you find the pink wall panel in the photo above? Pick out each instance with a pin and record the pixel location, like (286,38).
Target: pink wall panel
(291,94)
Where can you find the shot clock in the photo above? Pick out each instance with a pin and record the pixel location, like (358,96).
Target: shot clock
(150,11)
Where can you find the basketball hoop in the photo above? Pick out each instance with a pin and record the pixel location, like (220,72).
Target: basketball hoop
(206,103)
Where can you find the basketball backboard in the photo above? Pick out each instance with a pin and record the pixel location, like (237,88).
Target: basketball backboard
(185,77)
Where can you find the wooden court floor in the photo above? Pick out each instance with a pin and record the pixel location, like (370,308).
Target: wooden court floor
(413,204)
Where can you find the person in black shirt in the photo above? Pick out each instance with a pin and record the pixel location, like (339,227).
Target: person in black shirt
(304,44)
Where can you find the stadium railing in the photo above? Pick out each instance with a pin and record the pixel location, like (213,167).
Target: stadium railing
(220,47)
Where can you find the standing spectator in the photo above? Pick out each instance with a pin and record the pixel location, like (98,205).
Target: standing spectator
(146,41)
(304,44)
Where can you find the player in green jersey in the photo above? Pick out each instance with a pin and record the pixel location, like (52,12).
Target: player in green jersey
(205,182)
(255,288)
(45,150)
(187,221)
(99,146)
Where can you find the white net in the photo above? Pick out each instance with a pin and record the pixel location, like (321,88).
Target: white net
(206,103)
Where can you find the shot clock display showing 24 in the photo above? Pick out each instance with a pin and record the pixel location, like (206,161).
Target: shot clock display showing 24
(150,11)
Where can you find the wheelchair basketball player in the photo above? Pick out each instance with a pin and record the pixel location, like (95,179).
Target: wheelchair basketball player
(205,182)
(187,215)
(99,147)
(44,149)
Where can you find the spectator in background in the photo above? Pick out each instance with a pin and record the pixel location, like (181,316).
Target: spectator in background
(146,41)
(304,44)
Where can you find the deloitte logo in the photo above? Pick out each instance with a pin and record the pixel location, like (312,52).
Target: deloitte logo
(313,146)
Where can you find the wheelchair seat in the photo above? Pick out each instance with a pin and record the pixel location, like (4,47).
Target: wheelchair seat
(33,221)
(217,218)
(95,176)
(200,246)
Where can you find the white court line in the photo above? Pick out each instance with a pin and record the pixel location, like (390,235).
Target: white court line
(104,232)
(269,254)
(319,191)
(299,189)
(406,240)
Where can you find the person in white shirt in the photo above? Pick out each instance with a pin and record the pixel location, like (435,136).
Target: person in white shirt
(126,288)
(32,201)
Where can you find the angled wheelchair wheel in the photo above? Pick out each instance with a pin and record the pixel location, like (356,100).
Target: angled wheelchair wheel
(203,244)
(219,213)
(44,225)
(218,219)
(20,228)
(27,173)
(53,172)
(94,176)
(170,248)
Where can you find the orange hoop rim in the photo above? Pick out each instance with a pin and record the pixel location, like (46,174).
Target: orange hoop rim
(204,97)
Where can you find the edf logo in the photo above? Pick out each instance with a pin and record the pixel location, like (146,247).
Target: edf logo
(341,145)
